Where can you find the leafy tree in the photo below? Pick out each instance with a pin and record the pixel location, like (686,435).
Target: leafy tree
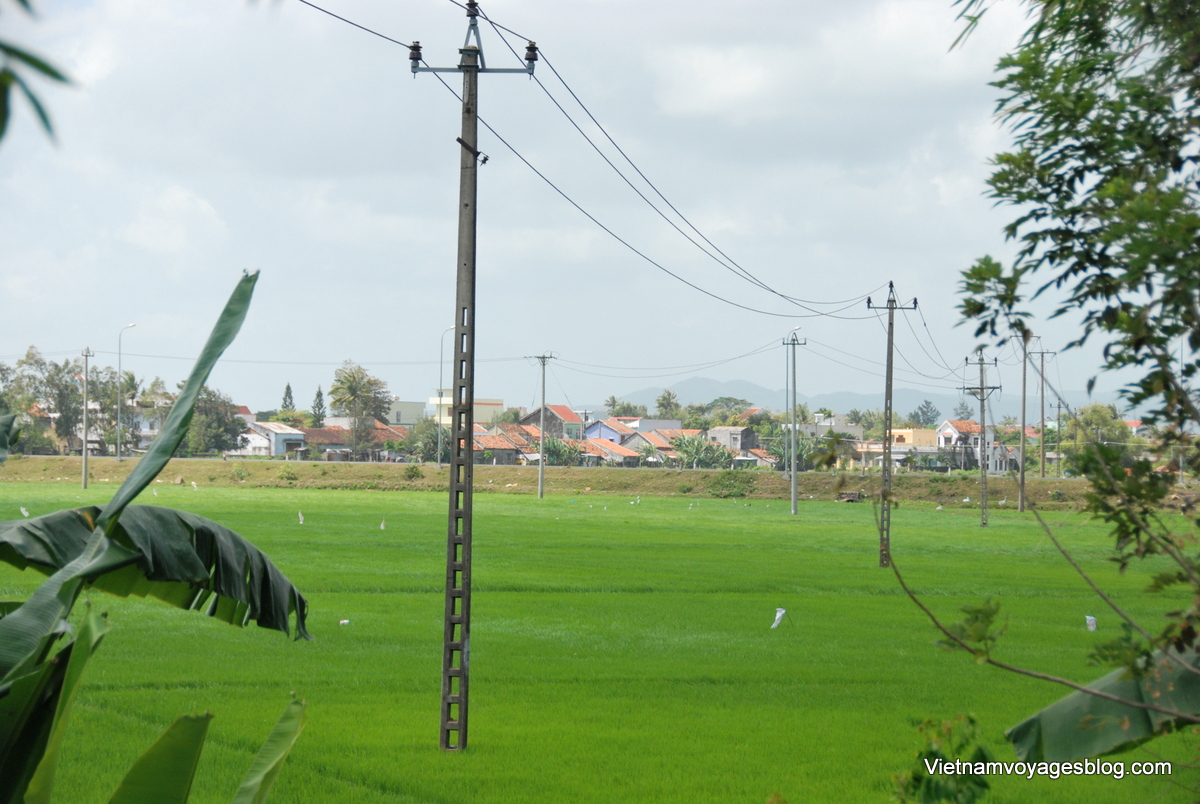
(509,416)
(1103,99)
(423,441)
(648,454)
(697,453)
(610,405)
(362,397)
(562,453)
(926,415)
(627,409)
(317,411)
(667,405)
(288,403)
(728,404)
(215,425)
(803,414)
(963,411)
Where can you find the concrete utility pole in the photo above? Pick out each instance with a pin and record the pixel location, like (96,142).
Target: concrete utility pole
(1021,473)
(542,428)
(456,643)
(885,506)
(792,342)
(87,353)
(1042,439)
(981,392)
(120,393)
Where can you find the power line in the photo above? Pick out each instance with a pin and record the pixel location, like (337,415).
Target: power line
(577,206)
(727,263)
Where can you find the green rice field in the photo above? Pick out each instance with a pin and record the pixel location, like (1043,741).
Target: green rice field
(621,651)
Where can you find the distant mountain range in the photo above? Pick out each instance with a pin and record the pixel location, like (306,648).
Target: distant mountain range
(699,390)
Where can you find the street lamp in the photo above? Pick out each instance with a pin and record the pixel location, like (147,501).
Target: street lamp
(119,394)
(441,359)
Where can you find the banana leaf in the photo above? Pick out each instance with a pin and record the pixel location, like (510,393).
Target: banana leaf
(172,433)
(1081,725)
(164,774)
(178,557)
(255,788)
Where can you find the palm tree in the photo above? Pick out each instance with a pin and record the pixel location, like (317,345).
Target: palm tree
(667,405)
(357,394)
(610,404)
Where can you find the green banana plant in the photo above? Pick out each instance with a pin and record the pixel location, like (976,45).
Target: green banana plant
(123,549)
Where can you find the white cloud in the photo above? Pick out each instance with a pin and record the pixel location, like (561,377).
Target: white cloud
(173,222)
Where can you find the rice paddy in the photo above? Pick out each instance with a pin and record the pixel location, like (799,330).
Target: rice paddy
(621,650)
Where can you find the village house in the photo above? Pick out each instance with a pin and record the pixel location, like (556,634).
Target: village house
(734,439)
(561,422)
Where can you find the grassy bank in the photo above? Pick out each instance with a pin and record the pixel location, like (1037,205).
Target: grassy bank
(949,491)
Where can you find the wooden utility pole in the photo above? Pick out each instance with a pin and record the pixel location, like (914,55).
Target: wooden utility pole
(456,642)
(885,506)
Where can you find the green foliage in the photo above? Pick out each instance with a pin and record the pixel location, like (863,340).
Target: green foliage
(214,427)
(619,408)
(697,453)
(976,630)
(16,66)
(731,483)
(413,472)
(178,557)
(509,416)
(288,403)
(361,396)
(562,453)
(926,415)
(317,411)
(946,741)
(963,411)
(667,405)
(423,441)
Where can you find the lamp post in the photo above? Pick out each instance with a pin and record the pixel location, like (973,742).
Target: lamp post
(441,362)
(120,396)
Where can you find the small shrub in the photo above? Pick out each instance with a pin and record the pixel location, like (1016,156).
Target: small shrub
(731,483)
(237,473)
(685,488)
(413,472)
(286,473)
(1058,495)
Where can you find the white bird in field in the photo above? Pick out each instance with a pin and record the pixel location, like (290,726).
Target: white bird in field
(381,524)
(778,617)
(24,513)
(301,514)
(938,508)
(1091,622)
(194,486)
(1004,501)
(966,499)
(155,492)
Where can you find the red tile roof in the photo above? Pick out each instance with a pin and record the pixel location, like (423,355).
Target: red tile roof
(619,426)
(326,435)
(532,430)
(565,413)
(483,442)
(964,425)
(243,410)
(612,449)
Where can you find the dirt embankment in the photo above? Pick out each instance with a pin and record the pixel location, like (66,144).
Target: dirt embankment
(948,490)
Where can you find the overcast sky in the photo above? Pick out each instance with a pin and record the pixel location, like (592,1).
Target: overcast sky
(826,147)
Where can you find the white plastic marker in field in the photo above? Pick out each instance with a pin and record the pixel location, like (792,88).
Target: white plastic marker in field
(24,513)
(1091,622)
(343,622)
(381,524)
(194,486)
(301,515)
(155,492)
(778,617)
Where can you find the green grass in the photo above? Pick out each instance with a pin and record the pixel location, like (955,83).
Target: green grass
(620,653)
